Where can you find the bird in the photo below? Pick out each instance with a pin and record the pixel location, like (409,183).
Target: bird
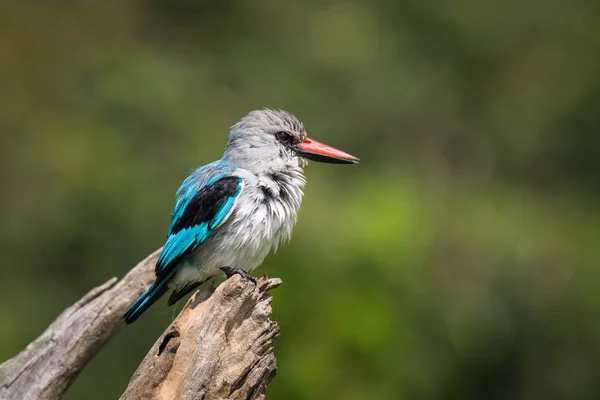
(230,214)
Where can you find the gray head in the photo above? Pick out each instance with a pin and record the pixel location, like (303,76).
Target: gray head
(275,140)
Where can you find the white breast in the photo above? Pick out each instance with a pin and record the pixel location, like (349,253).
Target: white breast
(263,216)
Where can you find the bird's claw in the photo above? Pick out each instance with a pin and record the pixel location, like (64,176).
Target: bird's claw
(229,272)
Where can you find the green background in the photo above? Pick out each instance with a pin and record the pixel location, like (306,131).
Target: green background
(459,260)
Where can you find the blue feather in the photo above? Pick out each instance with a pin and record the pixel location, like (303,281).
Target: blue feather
(204,200)
(185,232)
(149,297)
(200,178)
(225,209)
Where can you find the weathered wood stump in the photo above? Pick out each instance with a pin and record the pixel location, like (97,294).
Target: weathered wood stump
(220,346)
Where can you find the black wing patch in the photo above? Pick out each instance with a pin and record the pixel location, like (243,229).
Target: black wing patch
(194,222)
(206,203)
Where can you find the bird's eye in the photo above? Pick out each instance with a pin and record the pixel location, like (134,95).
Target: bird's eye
(284,137)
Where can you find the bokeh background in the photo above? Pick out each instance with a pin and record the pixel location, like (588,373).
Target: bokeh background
(459,260)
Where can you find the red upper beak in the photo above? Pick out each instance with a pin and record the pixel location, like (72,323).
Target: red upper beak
(321,152)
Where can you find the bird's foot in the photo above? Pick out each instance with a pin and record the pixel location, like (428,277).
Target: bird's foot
(229,271)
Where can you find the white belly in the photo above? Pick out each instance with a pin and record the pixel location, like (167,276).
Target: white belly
(254,228)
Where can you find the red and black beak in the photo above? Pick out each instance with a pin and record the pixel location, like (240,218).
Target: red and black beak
(320,152)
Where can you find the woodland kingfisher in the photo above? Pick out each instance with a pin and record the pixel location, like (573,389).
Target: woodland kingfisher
(231,213)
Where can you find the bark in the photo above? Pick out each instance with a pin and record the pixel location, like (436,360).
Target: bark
(191,346)
(220,347)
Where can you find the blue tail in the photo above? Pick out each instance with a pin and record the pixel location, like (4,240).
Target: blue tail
(147,298)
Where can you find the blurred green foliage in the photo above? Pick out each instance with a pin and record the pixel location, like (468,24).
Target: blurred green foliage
(459,260)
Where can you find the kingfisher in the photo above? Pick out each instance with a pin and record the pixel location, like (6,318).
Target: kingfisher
(231,213)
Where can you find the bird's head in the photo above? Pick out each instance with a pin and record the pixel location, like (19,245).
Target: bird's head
(276,140)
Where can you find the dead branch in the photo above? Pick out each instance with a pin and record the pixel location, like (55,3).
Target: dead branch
(220,347)
(48,365)
(227,334)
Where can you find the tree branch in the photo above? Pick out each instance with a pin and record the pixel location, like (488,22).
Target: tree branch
(219,347)
(50,364)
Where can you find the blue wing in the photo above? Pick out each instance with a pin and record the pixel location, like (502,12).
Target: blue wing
(204,201)
(199,210)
